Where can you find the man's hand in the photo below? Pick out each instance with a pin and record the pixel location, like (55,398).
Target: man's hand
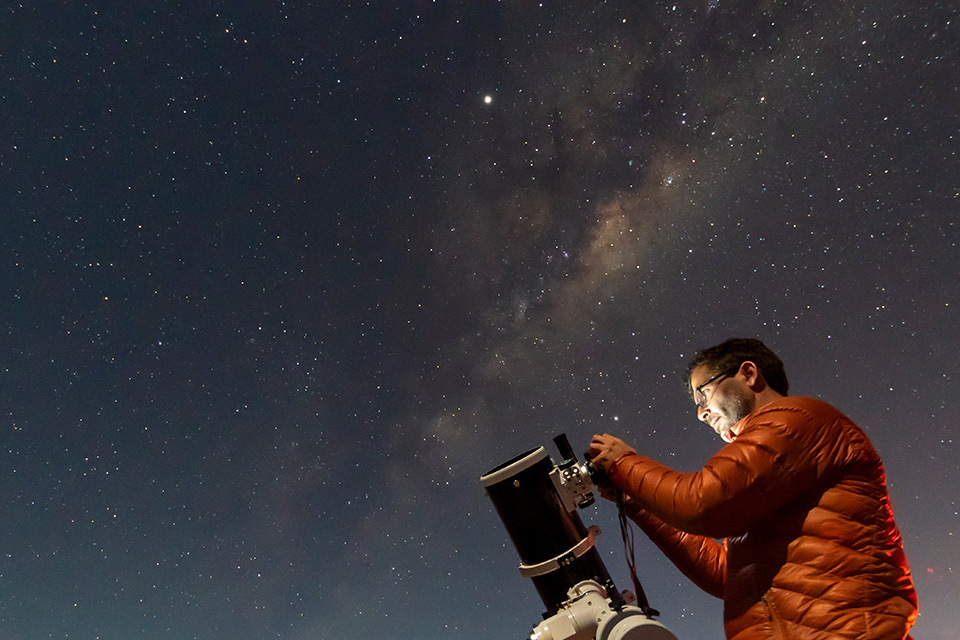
(607,491)
(606,449)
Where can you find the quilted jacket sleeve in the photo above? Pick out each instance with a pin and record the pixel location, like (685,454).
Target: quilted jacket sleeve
(703,560)
(773,460)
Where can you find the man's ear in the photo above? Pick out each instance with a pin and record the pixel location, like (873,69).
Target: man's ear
(752,376)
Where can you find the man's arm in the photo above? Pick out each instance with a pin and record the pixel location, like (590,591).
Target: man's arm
(703,560)
(769,464)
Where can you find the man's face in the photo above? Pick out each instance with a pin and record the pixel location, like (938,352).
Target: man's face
(727,401)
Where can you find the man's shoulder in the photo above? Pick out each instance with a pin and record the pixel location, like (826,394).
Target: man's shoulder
(812,425)
(801,403)
(798,410)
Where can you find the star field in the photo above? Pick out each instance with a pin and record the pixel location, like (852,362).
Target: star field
(280,282)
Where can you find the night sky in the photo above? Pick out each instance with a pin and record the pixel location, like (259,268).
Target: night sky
(280,281)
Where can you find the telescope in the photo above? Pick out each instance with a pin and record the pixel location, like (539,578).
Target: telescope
(537,502)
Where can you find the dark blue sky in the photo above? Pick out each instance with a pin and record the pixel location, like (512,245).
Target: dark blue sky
(280,282)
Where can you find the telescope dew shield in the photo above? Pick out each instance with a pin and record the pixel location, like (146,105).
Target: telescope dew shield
(556,550)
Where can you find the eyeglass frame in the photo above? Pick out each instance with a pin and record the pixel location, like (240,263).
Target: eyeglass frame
(698,390)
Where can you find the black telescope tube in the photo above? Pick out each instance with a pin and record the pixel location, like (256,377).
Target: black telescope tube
(541,527)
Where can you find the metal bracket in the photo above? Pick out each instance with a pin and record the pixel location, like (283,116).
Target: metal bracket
(565,558)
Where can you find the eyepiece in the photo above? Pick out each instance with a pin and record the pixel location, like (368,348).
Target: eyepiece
(566,451)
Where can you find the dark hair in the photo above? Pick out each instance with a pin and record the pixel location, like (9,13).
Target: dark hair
(731,353)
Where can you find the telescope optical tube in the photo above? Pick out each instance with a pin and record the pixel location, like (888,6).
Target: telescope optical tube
(556,549)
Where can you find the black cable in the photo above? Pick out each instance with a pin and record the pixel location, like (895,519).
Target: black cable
(626,532)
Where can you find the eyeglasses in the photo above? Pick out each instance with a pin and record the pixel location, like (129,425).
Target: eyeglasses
(700,397)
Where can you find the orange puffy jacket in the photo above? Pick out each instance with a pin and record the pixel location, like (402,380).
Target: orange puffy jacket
(810,548)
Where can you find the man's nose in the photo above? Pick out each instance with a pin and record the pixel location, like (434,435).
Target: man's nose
(703,413)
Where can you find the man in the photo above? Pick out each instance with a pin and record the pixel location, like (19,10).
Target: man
(809,547)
